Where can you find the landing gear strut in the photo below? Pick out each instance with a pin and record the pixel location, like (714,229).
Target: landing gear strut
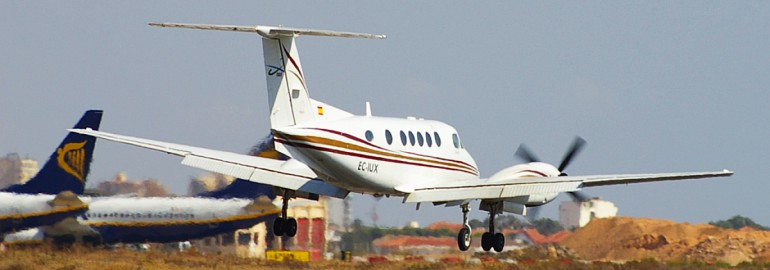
(490,239)
(464,236)
(284,225)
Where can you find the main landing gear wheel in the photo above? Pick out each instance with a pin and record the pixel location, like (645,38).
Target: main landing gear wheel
(486,241)
(278,226)
(284,226)
(464,238)
(498,242)
(290,227)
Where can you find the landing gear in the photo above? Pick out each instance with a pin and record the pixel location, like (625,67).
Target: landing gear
(283,225)
(490,239)
(464,236)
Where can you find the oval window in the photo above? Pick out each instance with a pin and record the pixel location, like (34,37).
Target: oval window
(419,138)
(369,135)
(411,138)
(428,140)
(438,139)
(403,137)
(388,136)
(456,140)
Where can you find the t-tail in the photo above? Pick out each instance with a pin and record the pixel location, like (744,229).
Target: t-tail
(69,164)
(287,89)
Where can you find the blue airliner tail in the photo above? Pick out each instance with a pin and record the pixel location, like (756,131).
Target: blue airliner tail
(242,189)
(69,164)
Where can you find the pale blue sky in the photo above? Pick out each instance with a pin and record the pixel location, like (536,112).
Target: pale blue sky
(652,86)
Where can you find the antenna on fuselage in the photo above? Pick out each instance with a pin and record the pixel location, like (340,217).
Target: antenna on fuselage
(368,109)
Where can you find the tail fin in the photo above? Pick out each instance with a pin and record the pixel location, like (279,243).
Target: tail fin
(286,87)
(69,164)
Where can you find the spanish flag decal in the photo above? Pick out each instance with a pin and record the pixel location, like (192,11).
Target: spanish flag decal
(320,110)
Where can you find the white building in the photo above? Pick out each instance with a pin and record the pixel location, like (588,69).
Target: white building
(574,214)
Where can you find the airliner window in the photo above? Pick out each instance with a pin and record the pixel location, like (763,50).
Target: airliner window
(388,136)
(456,140)
(369,135)
(438,139)
(411,138)
(428,139)
(419,138)
(403,137)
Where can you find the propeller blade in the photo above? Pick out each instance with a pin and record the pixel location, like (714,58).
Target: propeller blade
(524,153)
(574,149)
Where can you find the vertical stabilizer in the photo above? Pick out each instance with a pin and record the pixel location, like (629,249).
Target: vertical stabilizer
(286,87)
(69,164)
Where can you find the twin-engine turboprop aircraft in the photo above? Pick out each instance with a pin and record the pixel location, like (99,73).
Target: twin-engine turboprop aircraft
(120,219)
(333,152)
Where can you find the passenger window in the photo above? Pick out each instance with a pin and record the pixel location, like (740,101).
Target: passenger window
(456,140)
(403,137)
(428,139)
(388,137)
(411,138)
(438,139)
(419,138)
(369,135)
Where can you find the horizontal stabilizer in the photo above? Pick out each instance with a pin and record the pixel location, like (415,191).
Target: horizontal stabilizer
(269,31)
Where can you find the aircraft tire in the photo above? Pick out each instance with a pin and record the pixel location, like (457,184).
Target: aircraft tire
(290,228)
(498,241)
(278,226)
(464,238)
(486,241)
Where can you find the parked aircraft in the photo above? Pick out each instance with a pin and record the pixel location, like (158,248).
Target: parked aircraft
(333,152)
(49,196)
(120,219)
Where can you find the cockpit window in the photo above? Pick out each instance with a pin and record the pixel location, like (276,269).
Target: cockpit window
(456,140)
(369,135)
(388,137)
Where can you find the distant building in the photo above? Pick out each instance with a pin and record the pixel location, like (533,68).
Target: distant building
(140,188)
(574,214)
(15,170)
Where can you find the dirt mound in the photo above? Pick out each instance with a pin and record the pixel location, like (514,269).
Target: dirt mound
(624,238)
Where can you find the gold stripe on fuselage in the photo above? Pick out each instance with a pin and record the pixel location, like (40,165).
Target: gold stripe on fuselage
(351,146)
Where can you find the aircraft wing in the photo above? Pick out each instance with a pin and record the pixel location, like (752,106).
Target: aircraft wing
(289,174)
(509,188)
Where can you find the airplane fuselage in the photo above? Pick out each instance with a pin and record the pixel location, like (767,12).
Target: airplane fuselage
(375,155)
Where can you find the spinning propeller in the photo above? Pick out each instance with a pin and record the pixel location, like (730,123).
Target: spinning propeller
(577,145)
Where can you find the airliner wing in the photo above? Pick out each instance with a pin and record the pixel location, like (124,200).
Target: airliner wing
(483,189)
(289,174)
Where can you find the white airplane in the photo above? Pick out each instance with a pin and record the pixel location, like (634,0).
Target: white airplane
(333,152)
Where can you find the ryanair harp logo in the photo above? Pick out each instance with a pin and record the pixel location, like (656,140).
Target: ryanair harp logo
(71,159)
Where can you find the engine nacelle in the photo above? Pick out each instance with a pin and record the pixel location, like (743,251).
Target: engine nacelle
(534,199)
(526,170)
